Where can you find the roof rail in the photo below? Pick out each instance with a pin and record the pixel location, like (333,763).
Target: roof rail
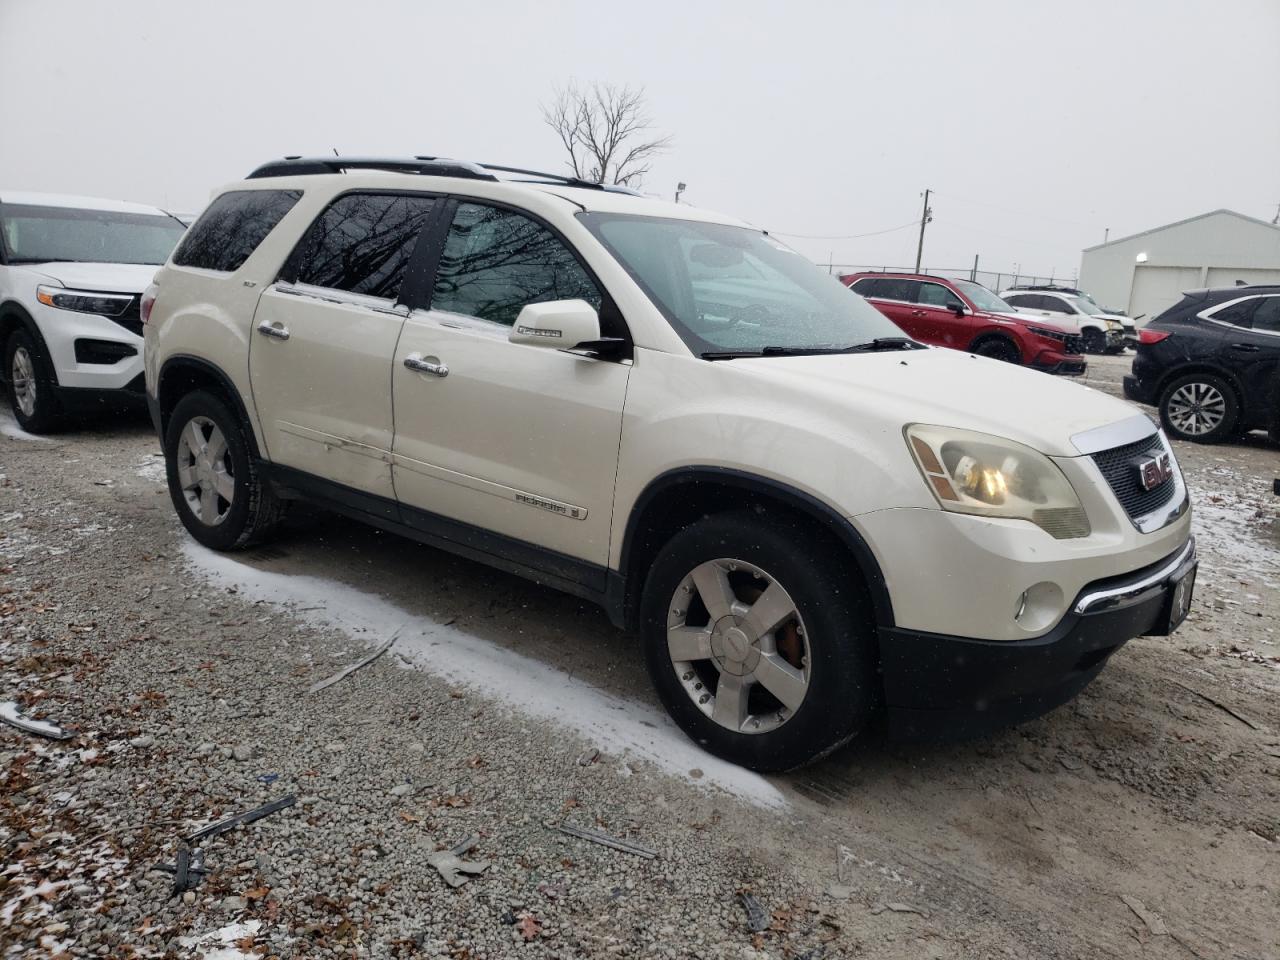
(297,166)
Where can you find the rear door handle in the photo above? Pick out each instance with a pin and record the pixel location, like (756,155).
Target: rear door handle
(431,365)
(274,331)
(1245,347)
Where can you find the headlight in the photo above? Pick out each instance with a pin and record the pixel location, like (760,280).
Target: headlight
(84,301)
(989,476)
(1058,335)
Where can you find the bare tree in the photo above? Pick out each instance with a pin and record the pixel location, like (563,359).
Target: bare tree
(606,132)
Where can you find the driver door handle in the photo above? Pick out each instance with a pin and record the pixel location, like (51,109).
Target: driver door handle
(1245,347)
(275,332)
(431,365)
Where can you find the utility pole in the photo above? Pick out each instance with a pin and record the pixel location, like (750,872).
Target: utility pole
(1106,235)
(1276,219)
(925,216)
(973,274)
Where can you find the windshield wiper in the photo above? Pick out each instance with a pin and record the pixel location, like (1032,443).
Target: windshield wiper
(770,351)
(885,343)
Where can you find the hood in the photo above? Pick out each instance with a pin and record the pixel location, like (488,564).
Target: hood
(1126,322)
(99,277)
(1038,321)
(949,388)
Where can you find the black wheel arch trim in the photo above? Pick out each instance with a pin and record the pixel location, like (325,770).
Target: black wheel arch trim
(14,309)
(182,360)
(623,591)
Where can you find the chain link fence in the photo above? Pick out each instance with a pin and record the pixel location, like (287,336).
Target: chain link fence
(992,280)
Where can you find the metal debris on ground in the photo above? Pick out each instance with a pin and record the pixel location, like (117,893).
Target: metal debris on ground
(1219,704)
(595,836)
(897,908)
(347,671)
(249,816)
(1153,921)
(757,918)
(453,868)
(188,869)
(12,714)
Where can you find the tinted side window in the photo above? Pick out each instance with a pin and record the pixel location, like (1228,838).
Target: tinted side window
(1018,300)
(895,289)
(361,243)
(936,295)
(496,261)
(1054,305)
(1267,316)
(867,287)
(1238,314)
(231,228)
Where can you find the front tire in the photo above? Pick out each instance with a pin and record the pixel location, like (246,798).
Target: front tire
(1199,407)
(31,384)
(998,348)
(214,482)
(760,641)
(1095,341)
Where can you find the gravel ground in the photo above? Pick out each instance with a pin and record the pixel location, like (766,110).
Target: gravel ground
(1140,820)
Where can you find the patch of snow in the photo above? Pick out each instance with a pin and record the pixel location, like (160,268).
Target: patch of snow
(9,428)
(152,469)
(220,944)
(528,685)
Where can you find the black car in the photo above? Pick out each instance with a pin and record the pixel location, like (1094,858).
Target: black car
(1212,364)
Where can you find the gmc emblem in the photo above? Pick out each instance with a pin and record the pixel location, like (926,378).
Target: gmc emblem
(1154,471)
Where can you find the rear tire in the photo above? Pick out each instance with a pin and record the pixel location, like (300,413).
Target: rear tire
(31,383)
(820,653)
(215,484)
(1199,407)
(998,348)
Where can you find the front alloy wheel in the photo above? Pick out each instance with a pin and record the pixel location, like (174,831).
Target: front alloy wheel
(759,638)
(738,644)
(205,471)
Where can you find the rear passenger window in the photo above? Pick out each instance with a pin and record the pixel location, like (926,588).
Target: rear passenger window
(1267,317)
(496,261)
(892,288)
(231,228)
(361,244)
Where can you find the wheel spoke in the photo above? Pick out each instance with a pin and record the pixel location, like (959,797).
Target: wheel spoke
(768,613)
(216,448)
(208,503)
(195,440)
(224,484)
(781,679)
(187,476)
(731,702)
(689,643)
(717,595)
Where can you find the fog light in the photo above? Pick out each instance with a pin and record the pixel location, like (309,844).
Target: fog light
(1039,607)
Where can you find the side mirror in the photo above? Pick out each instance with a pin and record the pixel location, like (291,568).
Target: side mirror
(558,324)
(958,309)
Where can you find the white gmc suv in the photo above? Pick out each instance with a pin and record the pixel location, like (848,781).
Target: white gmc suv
(72,272)
(810,519)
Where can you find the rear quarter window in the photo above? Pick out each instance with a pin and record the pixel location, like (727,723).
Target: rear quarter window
(232,227)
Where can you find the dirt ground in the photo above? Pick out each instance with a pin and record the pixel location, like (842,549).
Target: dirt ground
(1139,820)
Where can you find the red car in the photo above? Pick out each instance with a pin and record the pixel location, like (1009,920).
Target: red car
(967,316)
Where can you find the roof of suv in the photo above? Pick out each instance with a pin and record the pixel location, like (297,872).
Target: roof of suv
(79,203)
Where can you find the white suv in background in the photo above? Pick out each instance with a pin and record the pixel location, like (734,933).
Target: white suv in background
(1102,332)
(72,272)
(807,517)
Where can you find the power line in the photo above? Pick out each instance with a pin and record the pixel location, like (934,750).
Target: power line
(852,236)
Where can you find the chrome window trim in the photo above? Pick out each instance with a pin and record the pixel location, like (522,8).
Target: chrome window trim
(345,298)
(1127,594)
(1208,314)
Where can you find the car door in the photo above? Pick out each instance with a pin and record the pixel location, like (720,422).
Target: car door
(935,314)
(505,445)
(324,335)
(1251,348)
(895,297)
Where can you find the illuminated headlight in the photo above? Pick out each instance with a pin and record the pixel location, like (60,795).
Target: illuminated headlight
(989,476)
(84,301)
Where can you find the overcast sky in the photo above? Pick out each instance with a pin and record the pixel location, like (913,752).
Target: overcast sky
(1038,125)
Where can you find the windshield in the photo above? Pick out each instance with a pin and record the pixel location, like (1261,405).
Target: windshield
(727,288)
(34,234)
(1088,304)
(982,298)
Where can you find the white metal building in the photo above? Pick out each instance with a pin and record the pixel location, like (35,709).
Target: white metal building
(1147,272)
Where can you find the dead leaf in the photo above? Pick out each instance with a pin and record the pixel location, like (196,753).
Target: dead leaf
(256,893)
(529,927)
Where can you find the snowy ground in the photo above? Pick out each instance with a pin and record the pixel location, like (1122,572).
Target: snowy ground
(1141,820)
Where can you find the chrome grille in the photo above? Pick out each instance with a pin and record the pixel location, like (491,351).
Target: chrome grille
(1119,466)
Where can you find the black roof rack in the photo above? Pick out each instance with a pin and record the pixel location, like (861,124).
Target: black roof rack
(296,166)
(1048,287)
(428,166)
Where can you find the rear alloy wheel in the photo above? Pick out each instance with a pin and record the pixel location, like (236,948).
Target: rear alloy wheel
(759,640)
(998,348)
(214,482)
(1199,407)
(1095,341)
(31,393)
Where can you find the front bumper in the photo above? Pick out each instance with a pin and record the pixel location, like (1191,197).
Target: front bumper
(1066,366)
(940,687)
(74,340)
